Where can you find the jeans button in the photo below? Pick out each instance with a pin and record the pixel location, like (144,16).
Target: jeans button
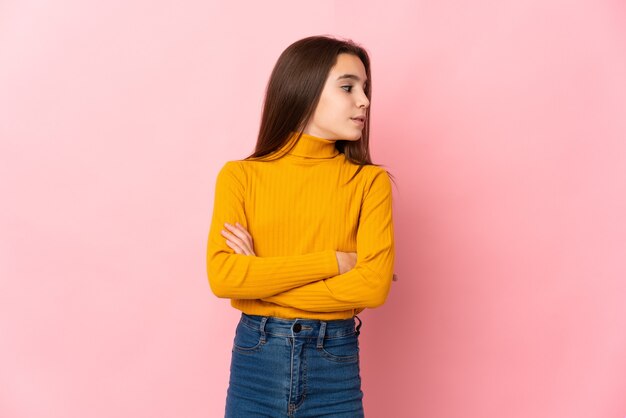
(297,328)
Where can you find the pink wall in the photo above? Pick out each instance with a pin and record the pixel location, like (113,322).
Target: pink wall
(503,123)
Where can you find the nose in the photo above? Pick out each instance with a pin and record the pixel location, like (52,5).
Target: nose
(363,101)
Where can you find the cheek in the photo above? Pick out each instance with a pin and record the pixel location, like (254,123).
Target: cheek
(333,108)
(339,106)
(327,109)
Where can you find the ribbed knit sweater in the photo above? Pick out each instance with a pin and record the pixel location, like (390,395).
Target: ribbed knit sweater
(300,209)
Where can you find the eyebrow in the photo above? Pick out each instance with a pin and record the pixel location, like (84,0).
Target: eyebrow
(350,76)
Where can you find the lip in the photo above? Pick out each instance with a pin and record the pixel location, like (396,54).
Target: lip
(360,121)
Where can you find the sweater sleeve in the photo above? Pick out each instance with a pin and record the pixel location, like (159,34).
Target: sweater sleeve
(242,276)
(368,283)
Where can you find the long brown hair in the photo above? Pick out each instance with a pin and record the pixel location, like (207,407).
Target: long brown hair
(294,90)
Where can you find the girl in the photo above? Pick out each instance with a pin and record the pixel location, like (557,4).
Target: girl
(320,213)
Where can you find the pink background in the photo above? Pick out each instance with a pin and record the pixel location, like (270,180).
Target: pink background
(504,124)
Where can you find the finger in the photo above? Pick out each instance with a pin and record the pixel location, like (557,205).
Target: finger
(243,234)
(234,246)
(244,230)
(240,241)
(243,237)
(233,239)
(236,231)
(240,235)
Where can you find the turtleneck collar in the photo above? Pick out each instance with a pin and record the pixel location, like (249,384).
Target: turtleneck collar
(311,146)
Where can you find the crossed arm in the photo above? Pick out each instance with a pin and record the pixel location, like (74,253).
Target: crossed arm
(315,282)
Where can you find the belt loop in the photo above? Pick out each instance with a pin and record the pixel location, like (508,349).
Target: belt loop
(320,337)
(262,328)
(358,326)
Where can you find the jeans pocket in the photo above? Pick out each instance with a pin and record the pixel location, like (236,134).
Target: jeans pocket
(344,349)
(247,339)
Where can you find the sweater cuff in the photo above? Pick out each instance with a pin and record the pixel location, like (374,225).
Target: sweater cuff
(330,260)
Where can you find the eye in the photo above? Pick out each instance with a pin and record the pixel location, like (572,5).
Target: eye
(350,87)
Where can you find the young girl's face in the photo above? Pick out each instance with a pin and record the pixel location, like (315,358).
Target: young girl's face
(343,99)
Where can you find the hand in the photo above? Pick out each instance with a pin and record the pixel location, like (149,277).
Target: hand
(238,238)
(346,261)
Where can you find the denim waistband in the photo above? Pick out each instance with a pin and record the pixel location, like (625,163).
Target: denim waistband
(302,327)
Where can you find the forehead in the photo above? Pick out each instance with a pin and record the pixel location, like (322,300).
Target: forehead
(348,64)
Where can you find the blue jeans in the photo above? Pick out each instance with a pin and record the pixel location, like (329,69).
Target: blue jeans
(295,368)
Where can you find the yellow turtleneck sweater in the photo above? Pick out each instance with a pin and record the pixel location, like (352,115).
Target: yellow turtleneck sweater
(300,209)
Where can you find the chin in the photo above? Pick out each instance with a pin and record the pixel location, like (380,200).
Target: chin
(356,137)
(350,136)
